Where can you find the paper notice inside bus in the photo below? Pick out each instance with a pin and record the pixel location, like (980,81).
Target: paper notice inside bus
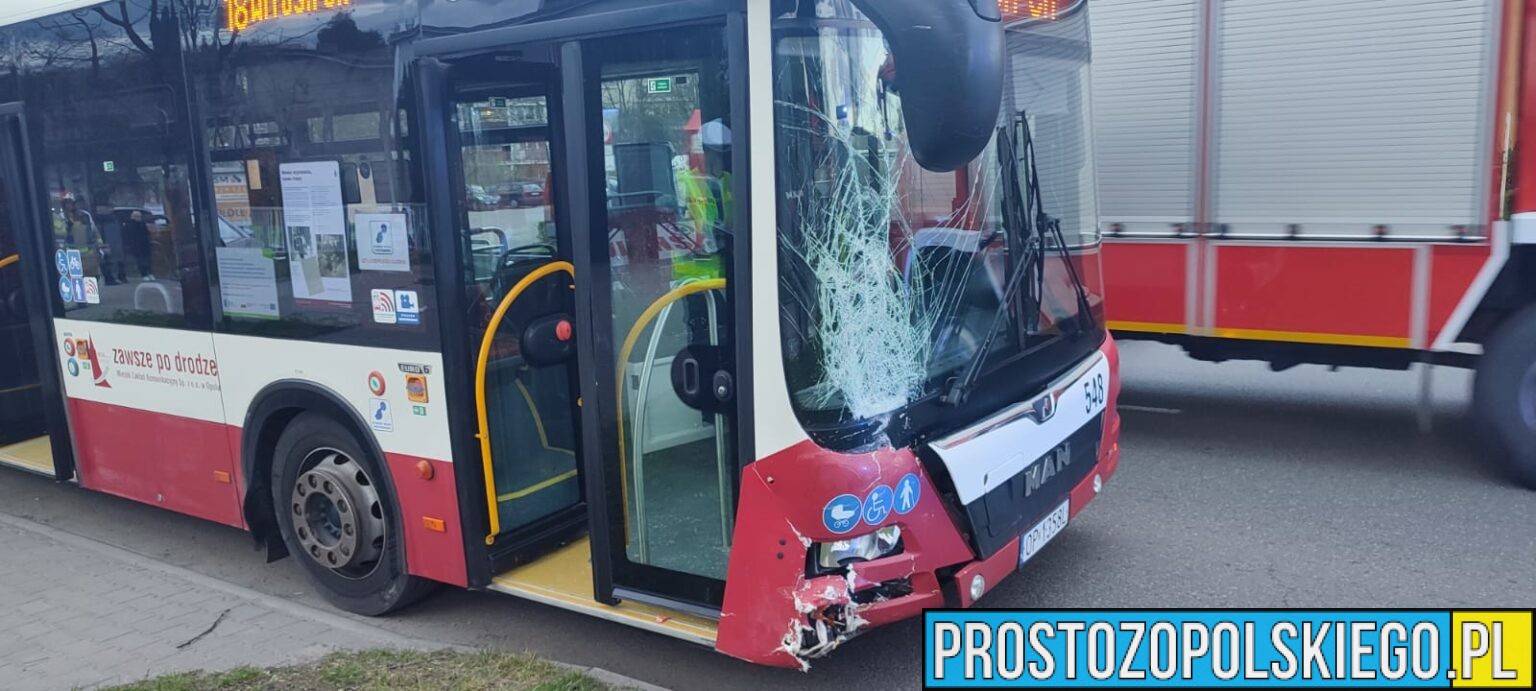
(382,242)
(247,282)
(316,224)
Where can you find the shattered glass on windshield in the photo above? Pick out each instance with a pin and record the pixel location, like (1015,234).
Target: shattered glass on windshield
(891,275)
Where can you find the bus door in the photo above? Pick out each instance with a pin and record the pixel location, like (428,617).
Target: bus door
(658,119)
(519,297)
(29,394)
(594,193)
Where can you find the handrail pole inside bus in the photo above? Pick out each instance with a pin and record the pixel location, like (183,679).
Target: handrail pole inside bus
(482,364)
(642,394)
(643,321)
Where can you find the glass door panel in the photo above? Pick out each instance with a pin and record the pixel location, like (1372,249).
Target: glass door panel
(21,401)
(520,295)
(666,161)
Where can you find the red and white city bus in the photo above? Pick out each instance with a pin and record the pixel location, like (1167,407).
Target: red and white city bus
(752,323)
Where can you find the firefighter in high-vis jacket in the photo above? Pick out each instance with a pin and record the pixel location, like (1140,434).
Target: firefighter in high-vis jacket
(706,197)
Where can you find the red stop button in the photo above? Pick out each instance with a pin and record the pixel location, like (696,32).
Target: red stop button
(563,331)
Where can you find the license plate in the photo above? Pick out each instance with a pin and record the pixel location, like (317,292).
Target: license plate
(1037,537)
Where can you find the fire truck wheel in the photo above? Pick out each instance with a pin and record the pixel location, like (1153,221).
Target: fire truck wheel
(1504,394)
(340,519)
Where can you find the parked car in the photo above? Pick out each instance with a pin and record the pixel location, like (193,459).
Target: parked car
(478,199)
(524,194)
(231,235)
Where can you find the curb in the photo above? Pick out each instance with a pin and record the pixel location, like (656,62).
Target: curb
(385,637)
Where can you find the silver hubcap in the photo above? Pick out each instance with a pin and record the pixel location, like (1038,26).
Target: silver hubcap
(337,515)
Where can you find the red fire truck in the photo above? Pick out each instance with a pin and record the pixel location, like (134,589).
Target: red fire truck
(1305,181)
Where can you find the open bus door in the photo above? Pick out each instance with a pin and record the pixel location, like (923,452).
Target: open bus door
(598,318)
(33,432)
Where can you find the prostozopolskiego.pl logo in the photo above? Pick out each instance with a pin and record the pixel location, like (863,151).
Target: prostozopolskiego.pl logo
(80,356)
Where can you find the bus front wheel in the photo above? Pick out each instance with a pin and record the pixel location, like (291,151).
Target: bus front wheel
(1504,394)
(338,517)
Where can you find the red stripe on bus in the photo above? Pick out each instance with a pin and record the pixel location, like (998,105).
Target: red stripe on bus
(173,463)
(161,460)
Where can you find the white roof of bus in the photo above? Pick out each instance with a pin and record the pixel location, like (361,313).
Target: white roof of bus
(17,11)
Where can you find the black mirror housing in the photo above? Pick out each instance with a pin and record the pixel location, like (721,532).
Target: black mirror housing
(950,62)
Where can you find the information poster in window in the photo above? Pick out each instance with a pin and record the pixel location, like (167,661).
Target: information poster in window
(382,242)
(248,282)
(316,223)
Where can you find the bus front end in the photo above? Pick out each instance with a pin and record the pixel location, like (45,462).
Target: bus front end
(950,387)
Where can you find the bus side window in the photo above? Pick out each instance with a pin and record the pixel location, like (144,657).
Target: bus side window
(121,210)
(322,225)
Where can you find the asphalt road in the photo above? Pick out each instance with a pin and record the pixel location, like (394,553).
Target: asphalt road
(1238,487)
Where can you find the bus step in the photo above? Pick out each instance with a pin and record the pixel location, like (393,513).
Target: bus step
(563,578)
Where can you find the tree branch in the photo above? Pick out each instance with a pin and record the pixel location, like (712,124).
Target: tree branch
(123,22)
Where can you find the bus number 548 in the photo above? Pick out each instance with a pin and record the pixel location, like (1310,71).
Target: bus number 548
(1093,392)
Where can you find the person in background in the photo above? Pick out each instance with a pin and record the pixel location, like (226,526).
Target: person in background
(136,242)
(112,250)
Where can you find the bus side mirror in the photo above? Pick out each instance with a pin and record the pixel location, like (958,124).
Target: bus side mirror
(949,71)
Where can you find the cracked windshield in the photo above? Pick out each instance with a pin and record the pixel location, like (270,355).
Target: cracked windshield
(897,281)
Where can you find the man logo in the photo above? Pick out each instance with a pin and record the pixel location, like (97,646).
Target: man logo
(1046,468)
(1043,409)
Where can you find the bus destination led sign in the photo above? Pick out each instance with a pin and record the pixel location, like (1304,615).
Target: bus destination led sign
(241,14)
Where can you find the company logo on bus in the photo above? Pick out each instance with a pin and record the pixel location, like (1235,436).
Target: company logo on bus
(80,356)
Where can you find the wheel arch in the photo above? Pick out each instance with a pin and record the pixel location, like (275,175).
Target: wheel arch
(271,411)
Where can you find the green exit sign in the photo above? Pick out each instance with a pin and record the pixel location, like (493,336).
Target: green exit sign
(109,166)
(661,85)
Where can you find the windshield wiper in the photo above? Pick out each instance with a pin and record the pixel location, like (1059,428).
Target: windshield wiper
(1046,223)
(1020,198)
(1016,222)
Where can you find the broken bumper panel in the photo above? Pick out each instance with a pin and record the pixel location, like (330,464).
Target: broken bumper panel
(778,611)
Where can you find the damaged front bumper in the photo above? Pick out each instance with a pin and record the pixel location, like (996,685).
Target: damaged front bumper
(780,611)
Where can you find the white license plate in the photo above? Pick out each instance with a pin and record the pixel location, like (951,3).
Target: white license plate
(1037,537)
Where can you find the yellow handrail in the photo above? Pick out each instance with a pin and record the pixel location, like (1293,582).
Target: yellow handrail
(643,321)
(480,370)
(9,260)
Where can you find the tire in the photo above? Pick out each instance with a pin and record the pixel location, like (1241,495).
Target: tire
(1504,395)
(340,519)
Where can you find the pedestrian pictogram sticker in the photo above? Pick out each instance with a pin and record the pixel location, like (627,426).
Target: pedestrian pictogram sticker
(908,491)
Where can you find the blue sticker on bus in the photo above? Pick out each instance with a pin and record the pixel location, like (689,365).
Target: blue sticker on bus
(877,506)
(908,491)
(66,289)
(407,307)
(61,262)
(76,265)
(842,513)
